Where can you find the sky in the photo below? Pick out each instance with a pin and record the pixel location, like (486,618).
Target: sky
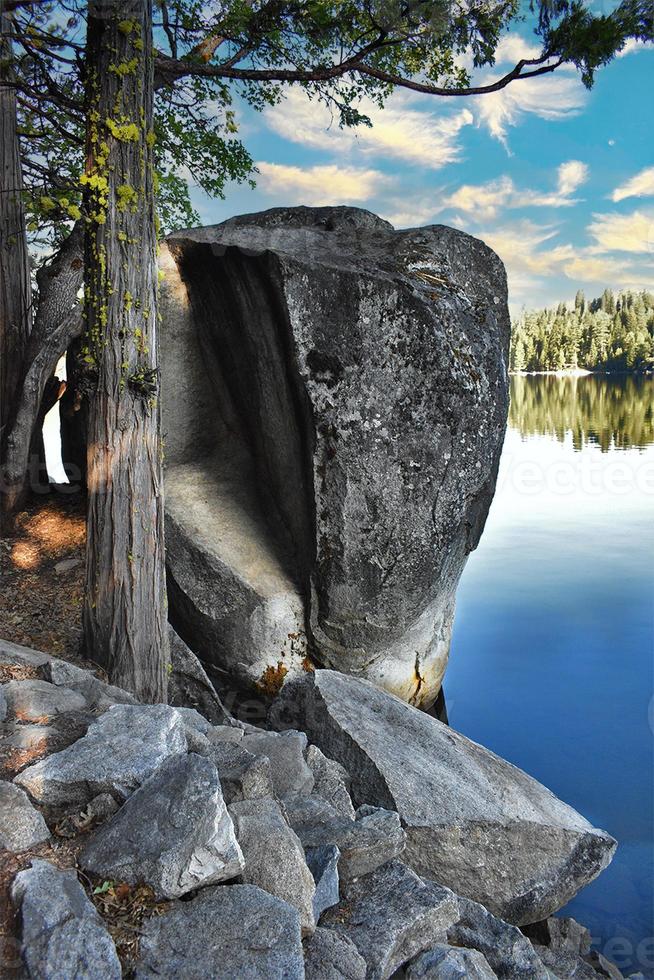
(557,179)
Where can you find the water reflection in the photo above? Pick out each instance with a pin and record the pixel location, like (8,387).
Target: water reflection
(607,411)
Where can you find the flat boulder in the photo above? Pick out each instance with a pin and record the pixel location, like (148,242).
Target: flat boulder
(62,934)
(473,822)
(38,701)
(120,750)
(173,833)
(225,932)
(392,915)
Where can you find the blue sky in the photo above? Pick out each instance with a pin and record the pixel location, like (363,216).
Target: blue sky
(558,179)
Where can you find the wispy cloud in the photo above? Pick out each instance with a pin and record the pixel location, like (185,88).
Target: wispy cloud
(634,46)
(551,97)
(324,184)
(640,185)
(401,131)
(487,200)
(623,232)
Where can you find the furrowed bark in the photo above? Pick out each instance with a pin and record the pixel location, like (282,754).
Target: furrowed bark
(15,293)
(125,606)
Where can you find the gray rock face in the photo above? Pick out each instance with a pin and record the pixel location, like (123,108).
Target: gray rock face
(330,956)
(174,833)
(39,701)
(274,858)
(331,781)
(62,934)
(98,695)
(375,838)
(507,951)
(392,915)
(289,771)
(444,962)
(473,821)
(357,376)
(322,862)
(189,686)
(569,966)
(561,933)
(3,703)
(243,776)
(118,753)
(224,933)
(21,826)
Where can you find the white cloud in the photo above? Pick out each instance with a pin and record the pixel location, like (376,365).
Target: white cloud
(572,175)
(623,232)
(325,184)
(513,48)
(486,200)
(640,185)
(633,46)
(551,97)
(418,136)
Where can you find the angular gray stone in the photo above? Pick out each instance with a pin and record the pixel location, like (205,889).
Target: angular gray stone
(23,744)
(188,684)
(98,695)
(40,701)
(13,654)
(62,934)
(473,822)
(225,933)
(603,967)
(322,862)
(309,810)
(330,956)
(374,838)
(289,771)
(356,378)
(331,781)
(508,951)
(274,858)
(568,966)
(243,776)
(561,933)
(120,750)
(3,703)
(173,833)
(21,825)
(392,915)
(443,962)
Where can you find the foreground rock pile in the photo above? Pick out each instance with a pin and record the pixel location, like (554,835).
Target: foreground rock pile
(358,839)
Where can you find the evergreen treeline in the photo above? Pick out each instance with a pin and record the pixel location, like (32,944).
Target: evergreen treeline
(607,412)
(612,333)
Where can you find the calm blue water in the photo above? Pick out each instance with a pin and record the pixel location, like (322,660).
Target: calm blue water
(552,653)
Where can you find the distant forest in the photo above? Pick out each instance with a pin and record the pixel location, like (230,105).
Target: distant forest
(612,333)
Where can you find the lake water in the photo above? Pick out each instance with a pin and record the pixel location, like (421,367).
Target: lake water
(552,653)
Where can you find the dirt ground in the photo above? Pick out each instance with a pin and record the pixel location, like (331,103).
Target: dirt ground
(42,575)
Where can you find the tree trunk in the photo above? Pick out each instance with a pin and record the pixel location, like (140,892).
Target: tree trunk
(15,293)
(58,321)
(125,605)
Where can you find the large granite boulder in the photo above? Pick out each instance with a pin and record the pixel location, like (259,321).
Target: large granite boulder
(334,402)
(473,821)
